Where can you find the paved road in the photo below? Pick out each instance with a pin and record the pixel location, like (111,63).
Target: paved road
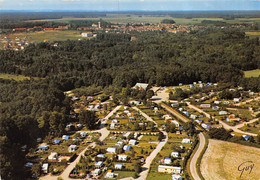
(249,100)
(224,125)
(145,115)
(150,158)
(193,162)
(175,113)
(198,109)
(249,122)
(104,133)
(201,145)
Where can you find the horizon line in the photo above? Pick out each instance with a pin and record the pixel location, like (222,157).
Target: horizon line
(57,10)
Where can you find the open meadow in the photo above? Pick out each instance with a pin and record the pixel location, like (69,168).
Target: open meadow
(15,77)
(51,36)
(252,73)
(226,160)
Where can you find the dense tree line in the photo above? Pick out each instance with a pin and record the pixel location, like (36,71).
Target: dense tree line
(216,23)
(223,134)
(168,21)
(7,24)
(31,109)
(155,58)
(19,16)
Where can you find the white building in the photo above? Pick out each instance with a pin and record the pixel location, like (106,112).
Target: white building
(166,117)
(97,172)
(72,148)
(205,126)
(217,102)
(169,169)
(205,105)
(193,116)
(111,150)
(118,166)
(45,167)
(99,164)
(101,156)
(186,140)
(83,134)
(236,99)
(167,161)
(126,134)
(112,126)
(110,175)
(87,34)
(53,156)
(222,112)
(132,142)
(122,157)
(175,154)
(176,123)
(141,85)
(176,177)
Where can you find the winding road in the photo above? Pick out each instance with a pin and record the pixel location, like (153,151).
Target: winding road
(224,125)
(193,162)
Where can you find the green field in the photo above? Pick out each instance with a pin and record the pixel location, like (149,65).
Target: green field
(253,34)
(47,36)
(13,77)
(252,73)
(114,18)
(124,174)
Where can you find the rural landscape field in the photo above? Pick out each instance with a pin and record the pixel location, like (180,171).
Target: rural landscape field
(129,18)
(223,160)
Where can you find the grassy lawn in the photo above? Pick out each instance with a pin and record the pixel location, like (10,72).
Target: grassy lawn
(155,176)
(244,114)
(253,34)
(157,117)
(47,36)
(149,138)
(173,144)
(14,77)
(252,128)
(125,124)
(124,174)
(252,73)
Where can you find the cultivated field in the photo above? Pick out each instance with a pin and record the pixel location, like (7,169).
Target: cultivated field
(47,36)
(225,160)
(253,73)
(253,34)
(154,19)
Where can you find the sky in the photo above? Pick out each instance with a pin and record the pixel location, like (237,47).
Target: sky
(125,5)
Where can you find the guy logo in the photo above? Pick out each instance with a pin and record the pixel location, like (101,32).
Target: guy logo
(246,166)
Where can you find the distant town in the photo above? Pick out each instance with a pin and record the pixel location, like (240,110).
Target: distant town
(19,43)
